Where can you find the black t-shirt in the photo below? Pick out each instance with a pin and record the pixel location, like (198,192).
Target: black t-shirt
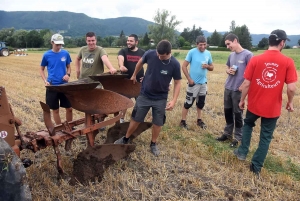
(130,60)
(158,75)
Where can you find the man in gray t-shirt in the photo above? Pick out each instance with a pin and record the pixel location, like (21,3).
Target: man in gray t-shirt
(236,65)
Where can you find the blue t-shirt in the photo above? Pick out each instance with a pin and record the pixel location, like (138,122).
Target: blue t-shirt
(195,58)
(158,76)
(56,63)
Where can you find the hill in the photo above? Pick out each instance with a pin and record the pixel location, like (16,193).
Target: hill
(77,24)
(72,24)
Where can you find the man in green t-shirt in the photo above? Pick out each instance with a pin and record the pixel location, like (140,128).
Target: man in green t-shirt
(93,59)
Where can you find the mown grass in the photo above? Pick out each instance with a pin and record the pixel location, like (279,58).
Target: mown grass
(192,164)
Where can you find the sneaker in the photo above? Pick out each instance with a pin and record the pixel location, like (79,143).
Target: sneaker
(222,138)
(234,143)
(201,124)
(121,141)
(122,120)
(238,155)
(183,125)
(252,170)
(154,150)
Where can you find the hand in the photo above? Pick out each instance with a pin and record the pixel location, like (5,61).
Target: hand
(133,78)
(191,82)
(242,105)
(66,78)
(205,66)
(289,107)
(141,79)
(47,83)
(112,71)
(170,105)
(123,69)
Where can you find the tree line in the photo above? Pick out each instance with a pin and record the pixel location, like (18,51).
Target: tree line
(163,28)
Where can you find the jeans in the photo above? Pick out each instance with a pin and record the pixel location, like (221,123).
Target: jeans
(266,134)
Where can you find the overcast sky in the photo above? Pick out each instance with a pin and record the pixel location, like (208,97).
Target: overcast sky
(260,16)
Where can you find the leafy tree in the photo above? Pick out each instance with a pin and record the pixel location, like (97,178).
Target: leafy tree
(232,26)
(34,39)
(222,42)
(299,42)
(244,36)
(164,27)
(6,35)
(122,39)
(181,41)
(110,40)
(146,39)
(19,39)
(215,38)
(190,35)
(263,43)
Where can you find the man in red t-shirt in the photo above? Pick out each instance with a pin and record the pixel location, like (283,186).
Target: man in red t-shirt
(265,76)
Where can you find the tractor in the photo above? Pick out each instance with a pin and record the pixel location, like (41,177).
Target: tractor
(4,51)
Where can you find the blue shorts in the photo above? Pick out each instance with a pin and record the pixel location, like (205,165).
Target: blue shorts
(142,106)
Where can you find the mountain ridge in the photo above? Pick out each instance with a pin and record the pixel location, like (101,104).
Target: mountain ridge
(77,24)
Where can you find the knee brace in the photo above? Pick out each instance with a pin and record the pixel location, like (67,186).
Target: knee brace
(189,100)
(201,102)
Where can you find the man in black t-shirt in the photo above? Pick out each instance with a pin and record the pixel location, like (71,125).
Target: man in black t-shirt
(162,68)
(128,58)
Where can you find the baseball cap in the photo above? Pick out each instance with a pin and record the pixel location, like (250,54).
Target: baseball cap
(57,39)
(278,34)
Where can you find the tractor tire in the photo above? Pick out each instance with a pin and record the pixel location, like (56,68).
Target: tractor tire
(4,52)
(13,181)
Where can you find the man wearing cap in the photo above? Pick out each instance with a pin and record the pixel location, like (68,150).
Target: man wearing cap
(265,76)
(93,59)
(58,66)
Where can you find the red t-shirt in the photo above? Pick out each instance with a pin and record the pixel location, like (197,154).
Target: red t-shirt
(267,73)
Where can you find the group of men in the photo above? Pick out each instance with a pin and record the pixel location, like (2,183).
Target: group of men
(261,78)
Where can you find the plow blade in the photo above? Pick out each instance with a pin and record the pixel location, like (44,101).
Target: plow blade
(119,83)
(98,101)
(77,85)
(119,130)
(93,161)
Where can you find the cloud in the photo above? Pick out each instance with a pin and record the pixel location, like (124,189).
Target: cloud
(260,16)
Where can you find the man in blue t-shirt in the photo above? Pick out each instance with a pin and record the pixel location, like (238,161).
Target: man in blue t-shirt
(162,67)
(200,61)
(58,66)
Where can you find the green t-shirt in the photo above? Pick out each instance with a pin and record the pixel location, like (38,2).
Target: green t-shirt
(92,63)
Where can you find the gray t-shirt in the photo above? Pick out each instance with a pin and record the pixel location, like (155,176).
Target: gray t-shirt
(233,82)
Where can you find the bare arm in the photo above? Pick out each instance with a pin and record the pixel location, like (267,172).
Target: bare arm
(185,71)
(171,104)
(107,63)
(209,67)
(138,67)
(291,89)
(121,63)
(245,88)
(77,66)
(67,77)
(42,73)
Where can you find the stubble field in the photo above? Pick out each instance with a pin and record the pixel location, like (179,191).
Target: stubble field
(191,166)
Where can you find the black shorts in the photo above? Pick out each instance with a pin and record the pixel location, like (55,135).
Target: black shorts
(56,99)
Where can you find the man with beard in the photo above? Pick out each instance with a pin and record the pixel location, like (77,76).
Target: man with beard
(265,76)
(128,58)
